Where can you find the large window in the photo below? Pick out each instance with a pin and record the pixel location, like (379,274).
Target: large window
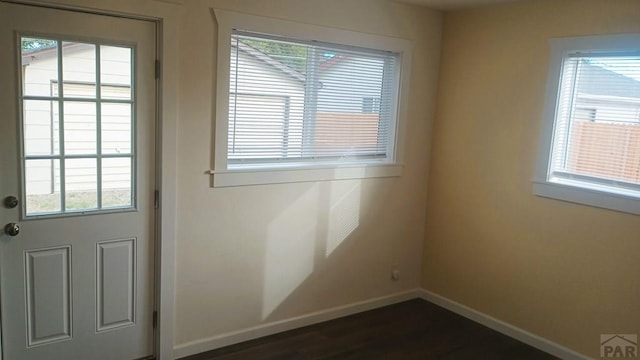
(296,102)
(591,154)
(292,102)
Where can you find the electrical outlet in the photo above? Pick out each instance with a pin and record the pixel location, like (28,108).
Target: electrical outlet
(395,273)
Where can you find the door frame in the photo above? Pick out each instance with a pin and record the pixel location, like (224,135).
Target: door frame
(166,15)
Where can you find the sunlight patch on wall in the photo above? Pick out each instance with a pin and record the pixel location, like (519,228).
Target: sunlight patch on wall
(344,215)
(290,249)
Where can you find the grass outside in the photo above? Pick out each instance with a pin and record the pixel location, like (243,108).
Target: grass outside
(77,201)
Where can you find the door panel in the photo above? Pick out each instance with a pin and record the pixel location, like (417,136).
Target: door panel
(115,306)
(48,290)
(77,110)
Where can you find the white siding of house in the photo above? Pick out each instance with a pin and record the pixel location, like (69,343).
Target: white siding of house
(275,96)
(339,95)
(612,110)
(41,126)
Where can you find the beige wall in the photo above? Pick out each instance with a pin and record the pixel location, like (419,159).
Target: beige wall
(563,271)
(251,255)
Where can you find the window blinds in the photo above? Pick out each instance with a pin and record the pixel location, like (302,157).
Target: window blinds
(308,102)
(597,131)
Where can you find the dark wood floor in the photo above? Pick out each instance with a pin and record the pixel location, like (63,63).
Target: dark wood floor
(414,329)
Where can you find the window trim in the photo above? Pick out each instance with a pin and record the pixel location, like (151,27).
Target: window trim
(568,190)
(223,175)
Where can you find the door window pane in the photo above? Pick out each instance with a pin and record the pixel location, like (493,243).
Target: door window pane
(42,180)
(116,182)
(116,128)
(39,65)
(41,127)
(79,127)
(81,184)
(115,72)
(79,67)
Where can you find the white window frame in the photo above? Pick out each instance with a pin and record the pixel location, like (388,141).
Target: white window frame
(568,190)
(223,176)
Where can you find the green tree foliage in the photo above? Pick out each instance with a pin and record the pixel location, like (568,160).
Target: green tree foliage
(29,44)
(292,55)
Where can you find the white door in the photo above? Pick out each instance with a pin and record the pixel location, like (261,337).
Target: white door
(77,116)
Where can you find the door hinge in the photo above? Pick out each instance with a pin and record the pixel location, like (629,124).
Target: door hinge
(158,69)
(156,199)
(155,319)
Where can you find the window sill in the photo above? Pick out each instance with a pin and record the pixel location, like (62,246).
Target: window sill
(263,176)
(591,197)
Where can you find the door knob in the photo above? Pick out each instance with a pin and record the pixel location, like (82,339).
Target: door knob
(10,202)
(12,229)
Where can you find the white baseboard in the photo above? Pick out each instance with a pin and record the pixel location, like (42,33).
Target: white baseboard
(196,347)
(230,338)
(503,327)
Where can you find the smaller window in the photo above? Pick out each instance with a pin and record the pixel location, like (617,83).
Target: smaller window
(371,105)
(586,114)
(591,146)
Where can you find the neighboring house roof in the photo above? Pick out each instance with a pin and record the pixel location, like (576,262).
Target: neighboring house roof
(286,69)
(609,83)
(327,64)
(52,51)
(37,54)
